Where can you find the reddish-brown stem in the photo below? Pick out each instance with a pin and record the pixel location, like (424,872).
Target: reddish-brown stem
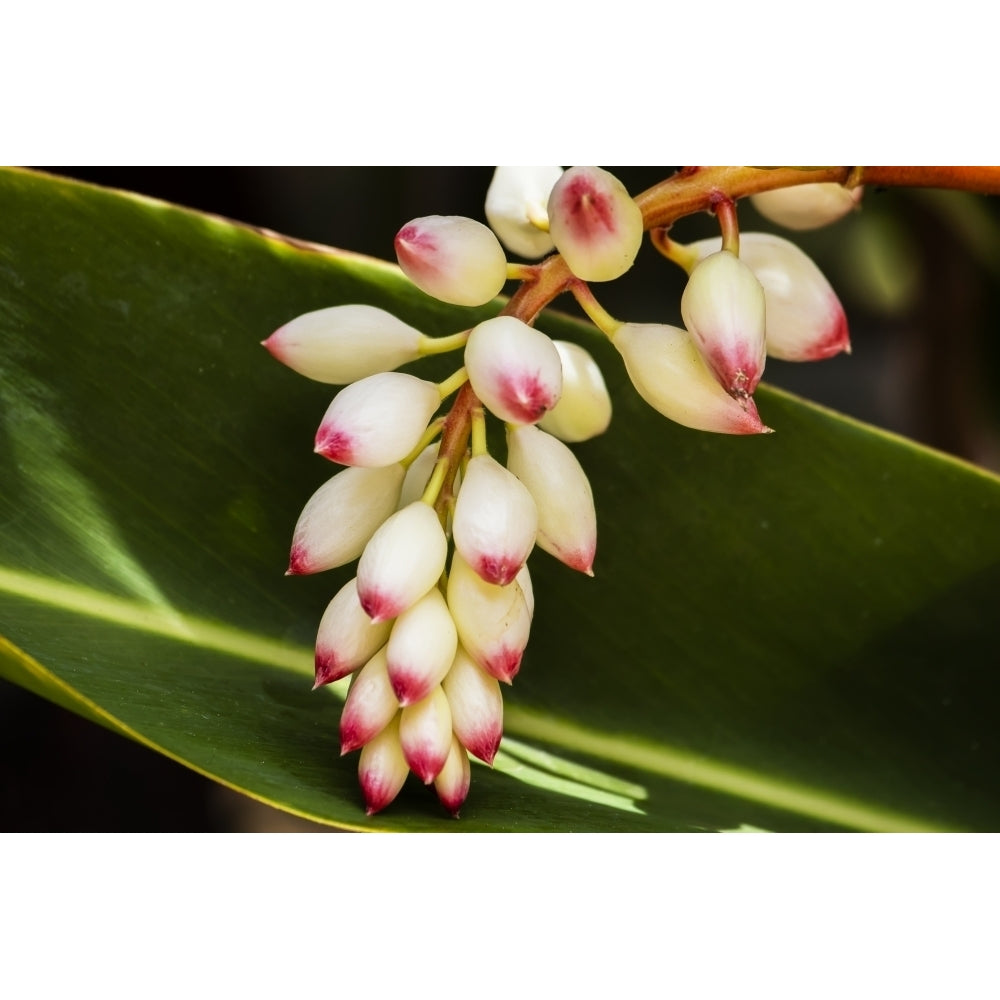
(692,189)
(725,211)
(454,441)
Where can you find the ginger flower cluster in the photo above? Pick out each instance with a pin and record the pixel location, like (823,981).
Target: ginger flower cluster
(439,612)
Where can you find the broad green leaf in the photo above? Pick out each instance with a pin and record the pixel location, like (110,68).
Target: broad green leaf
(791,632)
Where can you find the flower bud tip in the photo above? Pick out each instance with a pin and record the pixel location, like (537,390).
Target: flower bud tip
(405,693)
(350,740)
(328,669)
(334,445)
(378,606)
(497,570)
(298,564)
(505,665)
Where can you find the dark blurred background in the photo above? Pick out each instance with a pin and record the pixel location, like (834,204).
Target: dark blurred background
(919,276)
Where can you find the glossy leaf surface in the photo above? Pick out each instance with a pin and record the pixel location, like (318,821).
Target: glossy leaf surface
(786,632)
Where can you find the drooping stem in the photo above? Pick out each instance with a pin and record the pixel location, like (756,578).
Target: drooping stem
(599,316)
(692,189)
(454,441)
(725,211)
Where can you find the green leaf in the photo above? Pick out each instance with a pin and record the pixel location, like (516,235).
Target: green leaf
(787,632)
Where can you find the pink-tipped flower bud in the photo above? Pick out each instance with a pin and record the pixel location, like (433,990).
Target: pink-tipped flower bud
(804,318)
(594,223)
(341,516)
(377,421)
(370,704)
(514,369)
(517,208)
(453,780)
(401,562)
(382,768)
(807,206)
(584,408)
(455,259)
(346,638)
(344,343)
(421,648)
(723,310)
(495,521)
(476,706)
(425,734)
(669,373)
(493,622)
(567,521)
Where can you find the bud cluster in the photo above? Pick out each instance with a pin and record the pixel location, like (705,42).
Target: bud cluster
(439,611)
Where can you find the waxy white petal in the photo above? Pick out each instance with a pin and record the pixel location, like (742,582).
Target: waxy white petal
(344,343)
(421,647)
(418,475)
(584,408)
(523,579)
(476,706)
(668,372)
(377,421)
(346,638)
(455,259)
(594,223)
(370,705)
(453,780)
(403,560)
(517,199)
(425,734)
(804,318)
(495,520)
(567,521)
(493,622)
(341,516)
(382,768)
(514,369)
(723,310)
(807,206)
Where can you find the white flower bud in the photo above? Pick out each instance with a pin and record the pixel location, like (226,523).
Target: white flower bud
(594,223)
(382,768)
(567,522)
(344,343)
(370,704)
(523,579)
(425,734)
(453,780)
(493,622)
(418,475)
(377,421)
(421,647)
(346,638)
(495,521)
(584,408)
(514,369)
(341,516)
(455,259)
(669,373)
(804,318)
(517,204)
(476,706)
(401,562)
(807,206)
(723,310)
